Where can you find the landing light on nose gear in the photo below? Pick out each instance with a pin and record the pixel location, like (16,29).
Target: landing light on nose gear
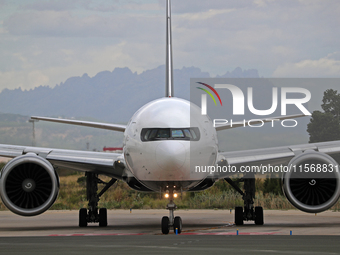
(171,221)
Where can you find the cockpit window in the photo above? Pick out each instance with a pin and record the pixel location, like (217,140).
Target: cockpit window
(155,134)
(163,133)
(175,133)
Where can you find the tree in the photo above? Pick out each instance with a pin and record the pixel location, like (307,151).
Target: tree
(331,102)
(272,185)
(325,126)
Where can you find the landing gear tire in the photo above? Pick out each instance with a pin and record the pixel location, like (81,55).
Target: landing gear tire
(83,217)
(258,215)
(102,217)
(90,214)
(238,215)
(165,225)
(178,225)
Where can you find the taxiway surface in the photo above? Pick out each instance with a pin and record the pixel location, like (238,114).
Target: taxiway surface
(138,232)
(148,222)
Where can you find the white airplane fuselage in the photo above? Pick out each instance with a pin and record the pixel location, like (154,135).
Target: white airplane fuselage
(159,162)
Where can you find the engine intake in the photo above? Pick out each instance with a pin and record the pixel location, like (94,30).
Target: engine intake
(313,182)
(29,185)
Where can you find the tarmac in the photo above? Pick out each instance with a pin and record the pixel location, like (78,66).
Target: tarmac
(138,232)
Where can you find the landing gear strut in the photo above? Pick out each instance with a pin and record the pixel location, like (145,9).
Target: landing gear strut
(171,221)
(91,214)
(248,212)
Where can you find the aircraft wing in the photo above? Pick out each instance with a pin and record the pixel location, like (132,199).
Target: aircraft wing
(108,126)
(110,164)
(275,155)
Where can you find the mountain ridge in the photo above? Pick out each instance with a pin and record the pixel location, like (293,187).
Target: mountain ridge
(108,96)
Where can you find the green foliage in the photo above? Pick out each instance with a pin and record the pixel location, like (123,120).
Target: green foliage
(65,172)
(72,196)
(2,164)
(331,102)
(272,185)
(222,185)
(325,126)
(82,181)
(272,201)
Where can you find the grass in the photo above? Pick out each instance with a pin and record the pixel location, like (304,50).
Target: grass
(72,196)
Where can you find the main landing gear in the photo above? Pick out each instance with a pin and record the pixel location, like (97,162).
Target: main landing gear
(248,212)
(91,214)
(171,221)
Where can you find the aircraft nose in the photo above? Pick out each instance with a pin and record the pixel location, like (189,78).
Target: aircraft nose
(170,155)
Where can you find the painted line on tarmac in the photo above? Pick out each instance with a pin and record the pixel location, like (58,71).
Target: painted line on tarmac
(182,234)
(111,234)
(232,233)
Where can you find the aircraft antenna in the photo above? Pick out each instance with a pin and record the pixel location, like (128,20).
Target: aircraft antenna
(169,90)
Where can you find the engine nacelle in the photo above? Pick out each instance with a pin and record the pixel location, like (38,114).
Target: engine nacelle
(29,185)
(313,182)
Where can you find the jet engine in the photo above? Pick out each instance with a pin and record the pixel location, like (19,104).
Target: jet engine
(312,182)
(29,185)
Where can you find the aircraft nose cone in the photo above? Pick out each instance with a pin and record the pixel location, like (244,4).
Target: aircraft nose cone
(170,155)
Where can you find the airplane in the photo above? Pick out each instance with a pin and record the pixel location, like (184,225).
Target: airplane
(157,157)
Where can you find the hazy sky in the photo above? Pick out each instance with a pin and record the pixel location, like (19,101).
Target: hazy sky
(46,42)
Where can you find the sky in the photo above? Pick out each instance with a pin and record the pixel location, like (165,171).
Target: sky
(44,42)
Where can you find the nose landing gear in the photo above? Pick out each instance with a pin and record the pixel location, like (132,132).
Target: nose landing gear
(171,221)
